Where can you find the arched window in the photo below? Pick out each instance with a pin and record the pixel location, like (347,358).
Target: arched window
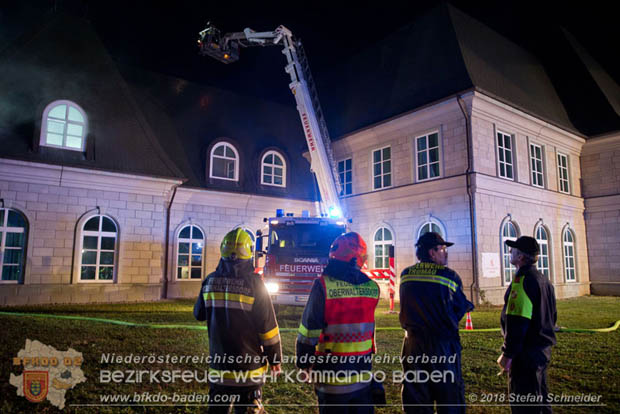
(509,232)
(224,163)
(542,237)
(13,236)
(273,169)
(432,225)
(98,249)
(64,125)
(382,241)
(568,242)
(190,246)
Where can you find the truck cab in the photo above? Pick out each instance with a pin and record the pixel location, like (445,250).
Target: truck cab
(296,252)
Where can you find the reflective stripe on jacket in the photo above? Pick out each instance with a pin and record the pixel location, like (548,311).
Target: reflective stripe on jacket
(350,317)
(432,303)
(243,333)
(338,327)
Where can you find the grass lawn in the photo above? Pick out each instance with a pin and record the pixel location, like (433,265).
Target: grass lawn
(582,362)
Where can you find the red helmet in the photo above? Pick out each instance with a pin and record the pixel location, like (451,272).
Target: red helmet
(347,247)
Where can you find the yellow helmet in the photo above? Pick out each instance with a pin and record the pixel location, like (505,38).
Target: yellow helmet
(237,245)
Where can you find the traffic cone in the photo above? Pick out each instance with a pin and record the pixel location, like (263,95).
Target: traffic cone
(468,325)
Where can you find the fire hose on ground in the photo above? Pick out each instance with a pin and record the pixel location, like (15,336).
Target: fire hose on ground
(612,328)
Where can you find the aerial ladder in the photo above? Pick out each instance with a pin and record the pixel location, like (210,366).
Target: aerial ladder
(297,246)
(225,48)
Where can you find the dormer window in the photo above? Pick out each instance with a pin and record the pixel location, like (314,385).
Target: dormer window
(273,169)
(224,162)
(64,125)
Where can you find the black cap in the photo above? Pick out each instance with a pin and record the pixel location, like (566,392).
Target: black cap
(526,244)
(432,239)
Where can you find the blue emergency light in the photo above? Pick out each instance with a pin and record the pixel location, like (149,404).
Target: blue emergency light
(334,212)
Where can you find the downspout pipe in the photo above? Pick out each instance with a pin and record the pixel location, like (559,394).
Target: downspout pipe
(164,287)
(474,287)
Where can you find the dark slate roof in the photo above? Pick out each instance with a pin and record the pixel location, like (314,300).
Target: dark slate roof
(418,64)
(589,83)
(139,122)
(191,118)
(446,52)
(64,59)
(502,69)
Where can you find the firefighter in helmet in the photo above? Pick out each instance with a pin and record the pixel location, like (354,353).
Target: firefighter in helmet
(337,331)
(242,328)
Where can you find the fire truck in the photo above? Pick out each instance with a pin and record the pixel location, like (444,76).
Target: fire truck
(296,247)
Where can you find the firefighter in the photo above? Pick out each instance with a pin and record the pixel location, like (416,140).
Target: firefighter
(337,331)
(432,303)
(244,340)
(528,326)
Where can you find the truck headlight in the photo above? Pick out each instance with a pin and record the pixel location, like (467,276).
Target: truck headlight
(272,287)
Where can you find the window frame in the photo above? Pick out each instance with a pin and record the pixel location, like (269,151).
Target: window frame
(44,127)
(505,250)
(499,149)
(427,151)
(433,222)
(385,245)
(565,257)
(263,164)
(567,168)
(99,234)
(533,159)
(237,160)
(343,181)
(548,243)
(191,240)
(381,162)
(3,232)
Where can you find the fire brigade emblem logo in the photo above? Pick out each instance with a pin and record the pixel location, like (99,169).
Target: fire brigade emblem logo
(35,385)
(48,374)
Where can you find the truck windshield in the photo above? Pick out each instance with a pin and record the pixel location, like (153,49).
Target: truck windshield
(303,238)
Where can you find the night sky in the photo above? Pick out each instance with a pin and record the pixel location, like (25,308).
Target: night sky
(161,36)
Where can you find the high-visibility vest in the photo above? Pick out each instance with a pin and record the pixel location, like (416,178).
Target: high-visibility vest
(349,316)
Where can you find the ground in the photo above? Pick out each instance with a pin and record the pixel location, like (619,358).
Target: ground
(582,362)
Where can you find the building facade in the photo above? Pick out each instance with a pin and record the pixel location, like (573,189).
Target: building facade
(117,184)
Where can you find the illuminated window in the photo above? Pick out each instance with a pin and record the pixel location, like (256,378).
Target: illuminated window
(190,247)
(505,156)
(569,255)
(427,156)
(536,165)
(382,241)
(224,162)
(542,237)
(345,174)
(382,168)
(563,176)
(64,125)
(98,249)
(13,236)
(509,232)
(273,169)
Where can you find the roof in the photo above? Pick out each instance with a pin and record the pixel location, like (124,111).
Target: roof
(139,122)
(191,118)
(64,59)
(446,52)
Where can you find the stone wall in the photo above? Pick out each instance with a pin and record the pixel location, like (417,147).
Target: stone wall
(499,199)
(56,203)
(601,186)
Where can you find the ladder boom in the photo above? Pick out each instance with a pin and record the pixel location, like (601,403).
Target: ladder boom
(226,49)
